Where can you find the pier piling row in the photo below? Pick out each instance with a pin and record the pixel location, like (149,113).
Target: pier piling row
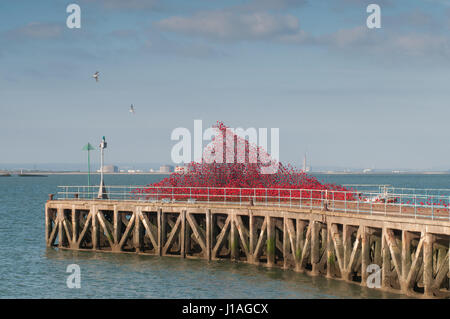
(392,253)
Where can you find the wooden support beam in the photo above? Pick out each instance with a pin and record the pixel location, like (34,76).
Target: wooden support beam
(198,235)
(52,236)
(138,235)
(94,232)
(442,272)
(162,231)
(183,234)
(386,259)
(305,249)
(117,226)
(221,237)
(61,234)
(127,231)
(300,240)
(107,230)
(428,265)
(395,252)
(253,237)
(243,235)
(346,244)
(75,227)
(406,254)
(416,264)
(354,254)
(285,244)
(365,258)
(86,227)
(151,231)
(68,231)
(292,245)
(208,234)
(261,241)
(338,247)
(378,251)
(48,226)
(187,236)
(324,237)
(300,243)
(171,235)
(315,248)
(330,253)
(270,244)
(234,241)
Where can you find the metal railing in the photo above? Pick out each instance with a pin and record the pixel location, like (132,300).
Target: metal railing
(399,190)
(362,202)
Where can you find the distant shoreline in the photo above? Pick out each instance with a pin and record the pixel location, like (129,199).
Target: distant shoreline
(84,173)
(15,173)
(381,173)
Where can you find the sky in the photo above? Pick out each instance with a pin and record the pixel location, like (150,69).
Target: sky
(349,96)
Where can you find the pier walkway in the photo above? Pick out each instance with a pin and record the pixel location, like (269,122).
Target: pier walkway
(340,235)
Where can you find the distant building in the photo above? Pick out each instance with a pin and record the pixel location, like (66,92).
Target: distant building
(110,169)
(181,169)
(166,169)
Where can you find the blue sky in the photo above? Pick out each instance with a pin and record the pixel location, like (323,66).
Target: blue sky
(349,96)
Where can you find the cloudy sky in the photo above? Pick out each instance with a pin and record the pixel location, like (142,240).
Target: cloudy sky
(348,95)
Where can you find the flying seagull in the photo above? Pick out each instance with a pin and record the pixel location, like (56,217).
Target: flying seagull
(95,76)
(132,109)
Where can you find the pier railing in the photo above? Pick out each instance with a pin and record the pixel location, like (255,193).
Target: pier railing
(384,202)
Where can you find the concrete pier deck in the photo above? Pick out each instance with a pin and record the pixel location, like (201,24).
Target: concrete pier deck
(411,254)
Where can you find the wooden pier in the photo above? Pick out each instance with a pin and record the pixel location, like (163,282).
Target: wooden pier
(413,254)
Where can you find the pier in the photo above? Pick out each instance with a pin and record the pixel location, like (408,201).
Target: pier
(339,235)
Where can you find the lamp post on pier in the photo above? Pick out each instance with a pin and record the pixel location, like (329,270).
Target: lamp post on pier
(102,190)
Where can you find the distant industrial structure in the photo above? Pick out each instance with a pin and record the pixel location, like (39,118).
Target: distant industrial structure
(134,171)
(306,168)
(166,169)
(110,169)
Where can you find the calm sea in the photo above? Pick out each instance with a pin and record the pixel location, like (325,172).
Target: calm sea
(29,270)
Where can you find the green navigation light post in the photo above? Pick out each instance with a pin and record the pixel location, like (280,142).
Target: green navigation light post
(88,147)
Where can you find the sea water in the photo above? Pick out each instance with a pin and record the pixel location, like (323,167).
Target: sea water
(30,270)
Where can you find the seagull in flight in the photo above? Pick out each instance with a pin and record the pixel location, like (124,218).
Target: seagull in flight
(96,75)
(132,109)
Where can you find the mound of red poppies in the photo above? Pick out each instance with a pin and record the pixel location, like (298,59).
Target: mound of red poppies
(239,164)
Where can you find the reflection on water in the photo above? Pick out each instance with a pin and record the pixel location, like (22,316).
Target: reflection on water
(133,276)
(29,270)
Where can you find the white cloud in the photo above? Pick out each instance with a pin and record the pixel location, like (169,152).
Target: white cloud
(420,44)
(348,37)
(125,4)
(262,5)
(37,30)
(396,43)
(229,25)
(160,45)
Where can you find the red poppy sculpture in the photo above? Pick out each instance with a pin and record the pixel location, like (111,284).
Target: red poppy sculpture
(232,168)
